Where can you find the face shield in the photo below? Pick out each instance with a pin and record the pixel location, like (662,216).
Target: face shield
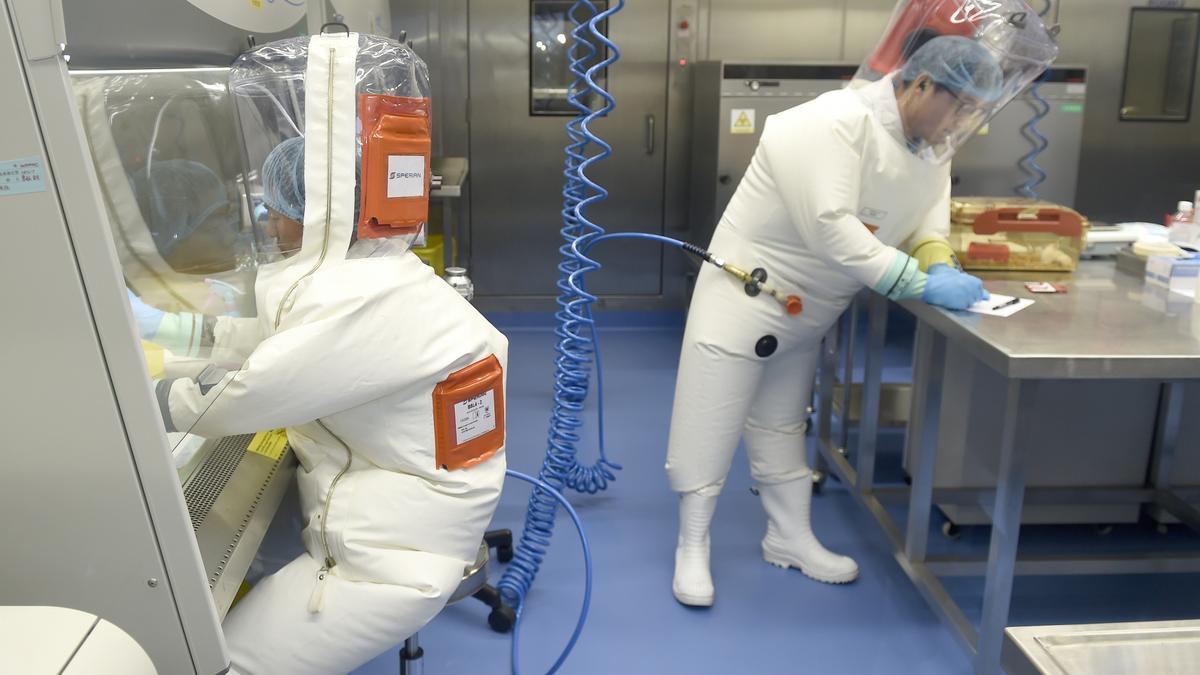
(337,145)
(955,64)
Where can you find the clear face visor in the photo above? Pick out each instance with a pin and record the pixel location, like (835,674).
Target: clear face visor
(955,64)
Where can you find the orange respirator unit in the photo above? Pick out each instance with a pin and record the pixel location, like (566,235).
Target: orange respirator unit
(396,146)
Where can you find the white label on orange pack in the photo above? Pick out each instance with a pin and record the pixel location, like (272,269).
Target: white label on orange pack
(406,176)
(475,417)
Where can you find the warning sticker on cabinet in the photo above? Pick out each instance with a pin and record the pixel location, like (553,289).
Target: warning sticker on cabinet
(741,121)
(269,443)
(406,176)
(475,416)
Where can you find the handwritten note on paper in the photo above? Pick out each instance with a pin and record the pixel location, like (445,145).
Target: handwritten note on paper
(1000,305)
(20,176)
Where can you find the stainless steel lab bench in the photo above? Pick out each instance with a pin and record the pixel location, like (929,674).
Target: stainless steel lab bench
(1104,328)
(1159,647)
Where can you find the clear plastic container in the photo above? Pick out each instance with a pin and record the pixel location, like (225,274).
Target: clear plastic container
(1013,234)
(1183,227)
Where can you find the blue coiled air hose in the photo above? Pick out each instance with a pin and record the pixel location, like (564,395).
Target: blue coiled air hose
(1036,175)
(587,589)
(578,344)
(576,350)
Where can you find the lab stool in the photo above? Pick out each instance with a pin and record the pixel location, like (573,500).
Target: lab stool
(474,583)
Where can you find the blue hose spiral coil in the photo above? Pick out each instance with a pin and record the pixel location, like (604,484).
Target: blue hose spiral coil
(587,585)
(1036,175)
(577,348)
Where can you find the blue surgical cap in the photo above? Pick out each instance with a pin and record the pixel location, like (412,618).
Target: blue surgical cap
(959,64)
(176,197)
(283,178)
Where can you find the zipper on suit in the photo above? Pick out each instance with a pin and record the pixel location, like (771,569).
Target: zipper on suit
(316,601)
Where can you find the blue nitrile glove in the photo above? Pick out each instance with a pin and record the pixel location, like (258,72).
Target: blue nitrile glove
(148,318)
(940,268)
(954,290)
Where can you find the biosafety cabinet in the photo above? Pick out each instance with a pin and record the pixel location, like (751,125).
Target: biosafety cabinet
(113,184)
(731,102)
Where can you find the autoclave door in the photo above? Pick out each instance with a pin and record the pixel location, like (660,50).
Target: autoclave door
(517,114)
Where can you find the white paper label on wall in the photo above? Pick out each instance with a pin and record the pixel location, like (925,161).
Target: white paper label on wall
(406,176)
(21,176)
(741,121)
(475,417)
(1076,89)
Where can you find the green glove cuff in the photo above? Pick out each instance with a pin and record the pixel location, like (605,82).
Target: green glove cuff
(182,333)
(904,280)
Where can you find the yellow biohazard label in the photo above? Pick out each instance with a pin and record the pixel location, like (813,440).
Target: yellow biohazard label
(256,4)
(741,121)
(269,444)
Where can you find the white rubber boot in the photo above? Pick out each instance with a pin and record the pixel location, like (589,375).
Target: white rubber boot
(790,541)
(693,581)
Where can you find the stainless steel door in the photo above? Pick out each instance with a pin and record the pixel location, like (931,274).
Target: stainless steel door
(517,158)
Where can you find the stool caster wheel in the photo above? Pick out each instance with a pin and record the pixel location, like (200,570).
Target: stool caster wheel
(950,530)
(502,619)
(502,541)
(818,479)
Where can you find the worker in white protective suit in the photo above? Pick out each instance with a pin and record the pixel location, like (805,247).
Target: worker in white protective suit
(368,360)
(846,191)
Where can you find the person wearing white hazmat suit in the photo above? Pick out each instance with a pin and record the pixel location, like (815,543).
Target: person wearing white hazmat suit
(389,384)
(849,190)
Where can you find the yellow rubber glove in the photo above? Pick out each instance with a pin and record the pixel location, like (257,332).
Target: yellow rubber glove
(155,358)
(934,251)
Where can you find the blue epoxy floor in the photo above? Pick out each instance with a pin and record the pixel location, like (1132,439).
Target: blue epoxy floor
(765,620)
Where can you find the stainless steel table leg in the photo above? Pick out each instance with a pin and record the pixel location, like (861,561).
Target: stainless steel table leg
(825,396)
(929,359)
(868,425)
(1166,436)
(1006,528)
(849,338)
(1162,461)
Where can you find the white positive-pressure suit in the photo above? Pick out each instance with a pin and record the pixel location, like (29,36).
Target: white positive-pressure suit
(350,370)
(832,194)
(831,198)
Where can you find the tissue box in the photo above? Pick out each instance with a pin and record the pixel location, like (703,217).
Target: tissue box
(1178,275)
